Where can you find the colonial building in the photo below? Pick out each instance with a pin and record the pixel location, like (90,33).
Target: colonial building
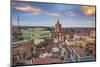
(22,51)
(38,34)
(58,27)
(60,34)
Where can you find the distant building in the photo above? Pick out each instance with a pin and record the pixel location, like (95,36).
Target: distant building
(92,37)
(81,35)
(92,33)
(85,37)
(16,33)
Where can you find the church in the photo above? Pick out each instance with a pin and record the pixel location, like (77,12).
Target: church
(61,34)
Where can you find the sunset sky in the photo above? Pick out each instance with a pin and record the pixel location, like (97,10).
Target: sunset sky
(46,14)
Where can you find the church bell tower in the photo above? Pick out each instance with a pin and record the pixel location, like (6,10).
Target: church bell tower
(58,26)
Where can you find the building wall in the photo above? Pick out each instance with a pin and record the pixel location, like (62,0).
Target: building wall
(37,41)
(92,33)
(21,52)
(36,33)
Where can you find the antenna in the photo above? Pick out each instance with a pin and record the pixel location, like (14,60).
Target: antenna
(18,24)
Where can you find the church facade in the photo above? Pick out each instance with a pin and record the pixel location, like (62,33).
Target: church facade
(61,34)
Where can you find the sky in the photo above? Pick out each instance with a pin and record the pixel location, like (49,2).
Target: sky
(47,14)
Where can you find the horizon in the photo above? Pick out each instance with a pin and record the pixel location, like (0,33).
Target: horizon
(53,26)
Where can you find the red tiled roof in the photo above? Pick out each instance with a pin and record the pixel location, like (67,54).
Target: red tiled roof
(55,55)
(45,60)
(83,34)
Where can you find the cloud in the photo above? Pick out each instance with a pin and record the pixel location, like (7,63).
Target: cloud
(52,14)
(88,10)
(28,8)
(34,10)
(70,13)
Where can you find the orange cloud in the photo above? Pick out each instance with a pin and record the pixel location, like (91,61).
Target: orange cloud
(28,8)
(88,10)
(70,13)
(52,13)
